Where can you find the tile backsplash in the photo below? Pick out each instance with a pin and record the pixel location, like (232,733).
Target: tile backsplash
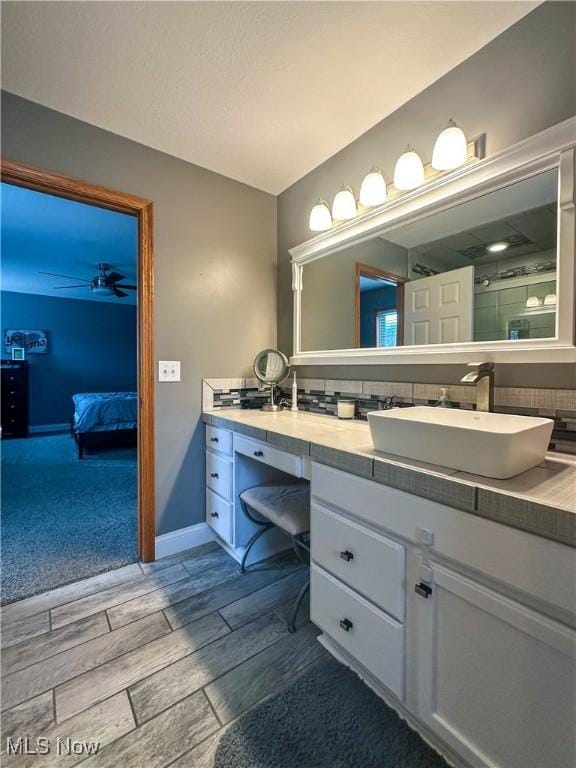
(322,395)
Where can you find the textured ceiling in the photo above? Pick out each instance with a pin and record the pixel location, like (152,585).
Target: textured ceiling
(262,92)
(43,233)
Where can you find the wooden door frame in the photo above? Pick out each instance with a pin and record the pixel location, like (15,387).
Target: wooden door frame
(369,271)
(52,183)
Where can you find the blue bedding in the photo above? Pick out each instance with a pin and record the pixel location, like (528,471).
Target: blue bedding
(105,411)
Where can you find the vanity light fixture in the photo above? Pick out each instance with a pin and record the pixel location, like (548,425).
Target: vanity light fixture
(497,247)
(409,171)
(550,300)
(450,149)
(320,217)
(344,205)
(373,189)
(533,301)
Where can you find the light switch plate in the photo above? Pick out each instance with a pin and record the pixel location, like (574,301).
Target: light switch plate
(169,370)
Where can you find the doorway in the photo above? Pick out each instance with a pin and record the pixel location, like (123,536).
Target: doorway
(140,212)
(378,308)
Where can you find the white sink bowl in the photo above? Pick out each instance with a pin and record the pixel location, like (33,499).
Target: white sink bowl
(489,444)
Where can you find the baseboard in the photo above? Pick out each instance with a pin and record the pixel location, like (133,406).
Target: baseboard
(184,538)
(38,429)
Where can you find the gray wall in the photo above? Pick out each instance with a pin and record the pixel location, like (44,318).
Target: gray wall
(215,275)
(519,84)
(329,288)
(91,348)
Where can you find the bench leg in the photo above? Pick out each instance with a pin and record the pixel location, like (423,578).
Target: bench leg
(253,540)
(297,604)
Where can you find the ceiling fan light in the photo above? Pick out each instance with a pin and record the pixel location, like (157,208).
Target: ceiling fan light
(320,217)
(102,290)
(450,149)
(409,171)
(373,189)
(344,205)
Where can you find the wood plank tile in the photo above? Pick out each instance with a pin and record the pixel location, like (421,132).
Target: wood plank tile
(218,597)
(96,727)
(264,674)
(96,685)
(163,739)
(210,559)
(30,718)
(67,593)
(42,647)
(120,593)
(263,601)
(173,683)
(127,612)
(289,563)
(180,557)
(29,626)
(56,670)
(203,755)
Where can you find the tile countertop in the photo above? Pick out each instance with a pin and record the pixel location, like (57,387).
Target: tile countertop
(541,501)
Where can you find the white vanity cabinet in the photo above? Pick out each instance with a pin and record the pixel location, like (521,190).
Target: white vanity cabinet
(219,482)
(497,680)
(454,620)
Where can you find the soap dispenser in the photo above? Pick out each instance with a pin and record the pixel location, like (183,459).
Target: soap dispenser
(444,400)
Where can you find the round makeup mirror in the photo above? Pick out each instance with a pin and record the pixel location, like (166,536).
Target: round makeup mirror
(271,367)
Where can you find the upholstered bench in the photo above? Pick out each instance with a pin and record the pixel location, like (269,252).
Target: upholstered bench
(285,506)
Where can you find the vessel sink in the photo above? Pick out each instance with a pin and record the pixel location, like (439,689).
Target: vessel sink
(489,444)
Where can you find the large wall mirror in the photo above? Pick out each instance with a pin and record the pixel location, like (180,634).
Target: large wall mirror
(480,273)
(484,270)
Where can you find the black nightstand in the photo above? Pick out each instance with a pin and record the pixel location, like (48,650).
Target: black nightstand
(14,398)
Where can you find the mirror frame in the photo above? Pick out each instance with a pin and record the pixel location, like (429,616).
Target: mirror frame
(554,148)
(285,372)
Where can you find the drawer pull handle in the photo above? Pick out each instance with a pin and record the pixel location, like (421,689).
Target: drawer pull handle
(213,514)
(346,625)
(214,474)
(347,555)
(423,590)
(213,439)
(258,453)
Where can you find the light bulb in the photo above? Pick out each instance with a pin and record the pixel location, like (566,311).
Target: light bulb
(373,189)
(409,171)
(320,217)
(533,301)
(550,300)
(450,149)
(497,247)
(344,205)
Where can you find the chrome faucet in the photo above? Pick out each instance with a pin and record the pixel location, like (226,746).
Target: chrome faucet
(483,377)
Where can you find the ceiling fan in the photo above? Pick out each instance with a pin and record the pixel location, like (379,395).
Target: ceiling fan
(105,283)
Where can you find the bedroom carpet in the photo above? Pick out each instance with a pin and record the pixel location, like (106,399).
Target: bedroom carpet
(327,718)
(64,519)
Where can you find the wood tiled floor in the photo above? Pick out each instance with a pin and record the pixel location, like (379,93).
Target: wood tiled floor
(152,661)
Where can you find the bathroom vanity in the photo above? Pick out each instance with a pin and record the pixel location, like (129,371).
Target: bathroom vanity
(452,595)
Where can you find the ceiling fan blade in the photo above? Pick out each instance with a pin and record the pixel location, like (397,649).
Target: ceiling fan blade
(67,277)
(63,287)
(114,277)
(128,287)
(119,294)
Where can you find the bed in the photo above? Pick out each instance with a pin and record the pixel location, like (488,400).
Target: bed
(103,419)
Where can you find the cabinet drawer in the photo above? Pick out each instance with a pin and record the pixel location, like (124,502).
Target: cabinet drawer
(367,634)
(517,559)
(219,474)
(366,561)
(219,515)
(219,439)
(286,462)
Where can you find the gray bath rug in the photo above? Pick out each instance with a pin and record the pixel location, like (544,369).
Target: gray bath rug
(328,718)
